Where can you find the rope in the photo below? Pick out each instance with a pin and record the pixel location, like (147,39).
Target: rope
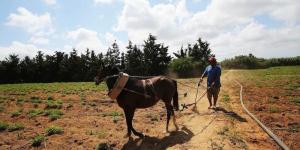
(266,129)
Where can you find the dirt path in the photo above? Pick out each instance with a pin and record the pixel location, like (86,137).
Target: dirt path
(227,128)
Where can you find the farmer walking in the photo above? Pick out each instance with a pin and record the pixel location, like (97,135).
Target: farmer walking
(213,73)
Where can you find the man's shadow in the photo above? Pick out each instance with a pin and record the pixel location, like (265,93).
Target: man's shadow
(154,143)
(231,114)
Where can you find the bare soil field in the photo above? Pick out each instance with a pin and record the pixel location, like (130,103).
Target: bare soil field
(81,116)
(273,95)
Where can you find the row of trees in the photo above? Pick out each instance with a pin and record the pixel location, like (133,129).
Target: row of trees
(150,59)
(252,62)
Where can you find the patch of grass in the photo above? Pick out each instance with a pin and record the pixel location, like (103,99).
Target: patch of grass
(54,104)
(226,98)
(54,130)
(20,101)
(53,114)
(3,126)
(37,140)
(274,109)
(16,113)
(35,100)
(295,101)
(34,112)
(1,108)
(50,98)
(15,127)
(113,114)
(100,134)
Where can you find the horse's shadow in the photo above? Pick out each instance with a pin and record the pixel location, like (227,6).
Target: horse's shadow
(231,114)
(154,143)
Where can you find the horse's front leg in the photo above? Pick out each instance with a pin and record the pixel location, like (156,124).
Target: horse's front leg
(129,113)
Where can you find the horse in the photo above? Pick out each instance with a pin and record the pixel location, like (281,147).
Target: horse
(142,92)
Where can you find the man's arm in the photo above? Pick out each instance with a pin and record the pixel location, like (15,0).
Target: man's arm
(203,75)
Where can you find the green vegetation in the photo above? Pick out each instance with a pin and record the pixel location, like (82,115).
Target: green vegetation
(35,100)
(99,133)
(226,98)
(20,102)
(3,126)
(57,104)
(16,113)
(15,127)
(252,62)
(54,130)
(37,140)
(34,112)
(274,109)
(10,126)
(53,114)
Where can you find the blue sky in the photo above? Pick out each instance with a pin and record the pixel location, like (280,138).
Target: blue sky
(266,28)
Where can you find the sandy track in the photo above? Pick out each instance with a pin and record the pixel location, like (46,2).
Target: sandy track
(227,128)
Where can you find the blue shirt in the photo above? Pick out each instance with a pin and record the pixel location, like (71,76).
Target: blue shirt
(213,74)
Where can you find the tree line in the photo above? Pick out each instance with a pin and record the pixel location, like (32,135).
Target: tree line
(151,58)
(252,62)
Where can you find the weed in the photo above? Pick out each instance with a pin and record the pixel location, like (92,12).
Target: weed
(100,134)
(54,104)
(54,130)
(53,114)
(50,98)
(1,109)
(16,113)
(15,127)
(274,109)
(113,114)
(35,101)
(20,102)
(37,140)
(226,98)
(34,112)
(3,126)
(295,101)
(93,104)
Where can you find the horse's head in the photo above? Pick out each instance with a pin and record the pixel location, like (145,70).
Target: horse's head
(105,71)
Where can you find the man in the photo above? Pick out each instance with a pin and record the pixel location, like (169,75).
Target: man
(213,73)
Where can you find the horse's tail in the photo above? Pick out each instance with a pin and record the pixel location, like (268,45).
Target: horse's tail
(175,97)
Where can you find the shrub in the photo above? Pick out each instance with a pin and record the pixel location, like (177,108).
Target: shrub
(15,127)
(19,101)
(16,113)
(54,130)
(37,140)
(54,104)
(182,66)
(53,114)
(34,112)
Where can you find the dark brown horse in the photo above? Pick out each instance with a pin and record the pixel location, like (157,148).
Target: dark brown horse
(140,92)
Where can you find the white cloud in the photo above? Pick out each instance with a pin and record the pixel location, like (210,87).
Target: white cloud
(32,23)
(104,1)
(38,40)
(232,21)
(85,38)
(49,2)
(20,49)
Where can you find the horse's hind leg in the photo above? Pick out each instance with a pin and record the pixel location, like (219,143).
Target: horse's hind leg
(169,112)
(174,119)
(129,113)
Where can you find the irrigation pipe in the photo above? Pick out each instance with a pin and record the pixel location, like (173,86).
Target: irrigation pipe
(266,129)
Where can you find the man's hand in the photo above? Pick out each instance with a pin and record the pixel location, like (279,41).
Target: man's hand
(201,79)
